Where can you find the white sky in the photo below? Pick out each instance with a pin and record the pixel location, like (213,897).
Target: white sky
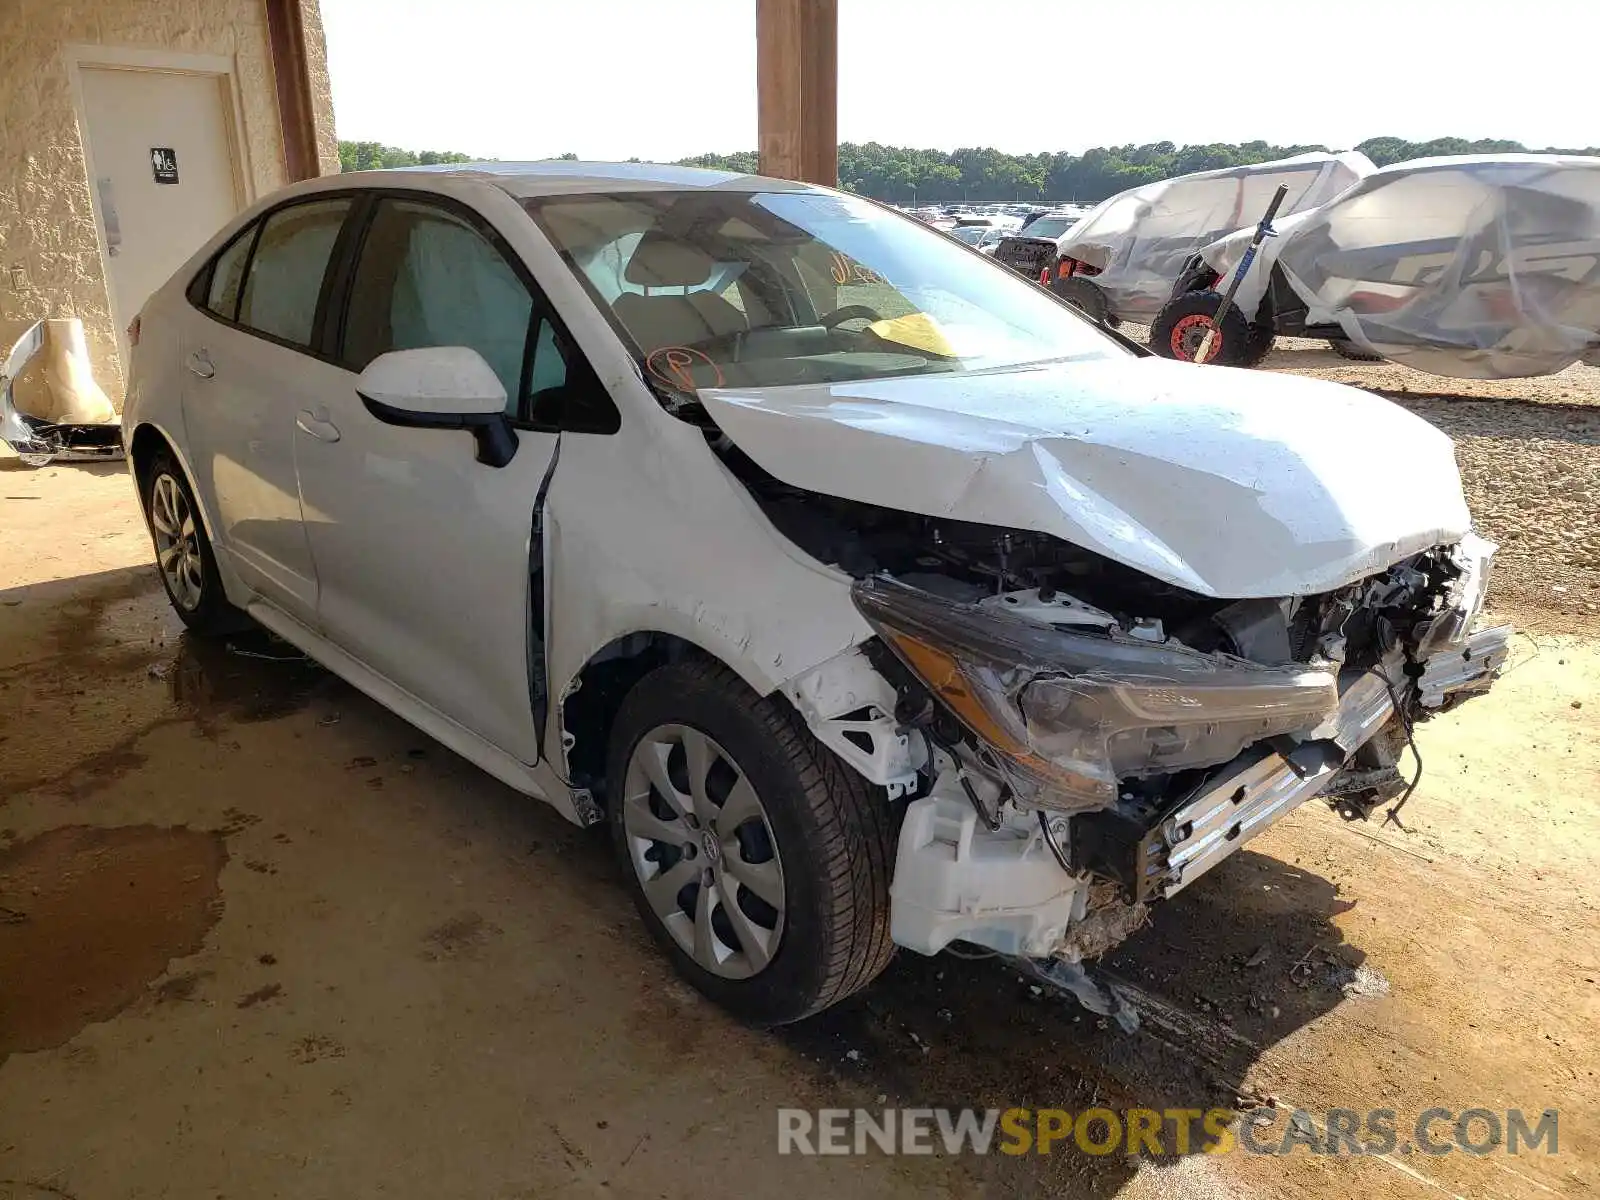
(663,79)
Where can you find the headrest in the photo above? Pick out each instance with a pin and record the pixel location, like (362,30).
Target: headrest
(662,261)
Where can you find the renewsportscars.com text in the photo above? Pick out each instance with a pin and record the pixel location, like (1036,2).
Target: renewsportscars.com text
(1016,1131)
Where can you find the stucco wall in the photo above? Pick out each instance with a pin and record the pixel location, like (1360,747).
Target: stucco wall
(321,87)
(49,251)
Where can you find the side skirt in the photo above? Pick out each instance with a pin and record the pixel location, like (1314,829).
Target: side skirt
(537,780)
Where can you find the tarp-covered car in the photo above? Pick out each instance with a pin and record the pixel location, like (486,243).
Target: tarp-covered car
(873,596)
(1120,261)
(1474,266)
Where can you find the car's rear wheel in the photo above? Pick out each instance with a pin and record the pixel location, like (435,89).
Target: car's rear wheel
(758,859)
(184,558)
(1083,295)
(1179,332)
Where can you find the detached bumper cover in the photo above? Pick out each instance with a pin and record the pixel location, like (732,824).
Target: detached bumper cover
(1261,787)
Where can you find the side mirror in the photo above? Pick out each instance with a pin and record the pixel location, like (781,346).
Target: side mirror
(441,387)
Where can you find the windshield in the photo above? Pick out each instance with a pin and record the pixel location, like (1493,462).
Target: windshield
(1049,227)
(743,289)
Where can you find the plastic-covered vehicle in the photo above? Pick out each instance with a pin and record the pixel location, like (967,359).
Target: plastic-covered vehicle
(1120,261)
(1473,266)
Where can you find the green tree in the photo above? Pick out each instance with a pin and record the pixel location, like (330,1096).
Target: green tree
(901,174)
(373,156)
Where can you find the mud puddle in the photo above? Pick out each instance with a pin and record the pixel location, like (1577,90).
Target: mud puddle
(248,677)
(118,666)
(90,917)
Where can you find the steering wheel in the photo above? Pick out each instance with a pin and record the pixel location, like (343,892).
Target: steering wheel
(850,312)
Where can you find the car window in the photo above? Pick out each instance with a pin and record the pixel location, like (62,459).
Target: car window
(549,368)
(563,392)
(284,278)
(227,276)
(428,278)
(1049,227)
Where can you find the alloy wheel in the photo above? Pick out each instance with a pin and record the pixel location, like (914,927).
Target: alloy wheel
(177,542)
(701,845)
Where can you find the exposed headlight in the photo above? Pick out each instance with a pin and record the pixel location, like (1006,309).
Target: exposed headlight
(1068,713)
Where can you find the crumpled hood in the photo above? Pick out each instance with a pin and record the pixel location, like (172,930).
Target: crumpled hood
(1225,482)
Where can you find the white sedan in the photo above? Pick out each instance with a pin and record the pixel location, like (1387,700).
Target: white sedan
(871,594)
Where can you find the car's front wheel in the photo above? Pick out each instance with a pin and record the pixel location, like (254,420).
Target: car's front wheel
(184,558)
(757,858)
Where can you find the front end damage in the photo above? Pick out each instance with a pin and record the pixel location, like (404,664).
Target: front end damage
(1126,615)
(1085,763)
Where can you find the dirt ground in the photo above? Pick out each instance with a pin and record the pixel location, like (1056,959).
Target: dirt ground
(258,937)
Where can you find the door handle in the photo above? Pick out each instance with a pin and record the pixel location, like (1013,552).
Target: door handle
(200,364)
(317,425)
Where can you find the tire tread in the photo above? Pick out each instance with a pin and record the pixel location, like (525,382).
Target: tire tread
(853,827)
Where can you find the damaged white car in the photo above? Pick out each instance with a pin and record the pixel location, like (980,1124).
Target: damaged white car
(873,595)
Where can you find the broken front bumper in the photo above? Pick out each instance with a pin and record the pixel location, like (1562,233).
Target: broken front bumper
(1004,889)
(1261,787)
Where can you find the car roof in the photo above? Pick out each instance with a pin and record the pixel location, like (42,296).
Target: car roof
(554,177)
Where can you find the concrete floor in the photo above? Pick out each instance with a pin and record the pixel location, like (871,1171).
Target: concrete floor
(258,937)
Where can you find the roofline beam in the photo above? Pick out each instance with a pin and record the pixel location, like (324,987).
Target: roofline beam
(286,31)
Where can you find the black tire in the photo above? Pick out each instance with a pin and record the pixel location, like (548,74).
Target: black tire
(1083,295)
(1182,323)
(1348,349)
(832,834)
(211,615)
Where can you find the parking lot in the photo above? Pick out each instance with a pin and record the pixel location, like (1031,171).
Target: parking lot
(259,937)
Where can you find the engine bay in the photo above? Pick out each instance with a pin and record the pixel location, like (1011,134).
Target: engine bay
(1153,831)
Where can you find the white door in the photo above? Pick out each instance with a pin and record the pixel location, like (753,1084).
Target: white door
(163,179)
(250,368)
(422,553)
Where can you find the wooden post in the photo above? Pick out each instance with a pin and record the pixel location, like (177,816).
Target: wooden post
(797,87)
(287,36)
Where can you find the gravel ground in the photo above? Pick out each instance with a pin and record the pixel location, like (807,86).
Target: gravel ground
(1529,452)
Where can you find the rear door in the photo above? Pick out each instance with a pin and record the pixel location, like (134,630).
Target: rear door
(425,555)
(252,363)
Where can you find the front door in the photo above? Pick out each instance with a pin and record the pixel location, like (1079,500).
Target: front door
(422,553)
(164,177)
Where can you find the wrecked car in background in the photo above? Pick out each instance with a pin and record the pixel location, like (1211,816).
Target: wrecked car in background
(1032,250)
(1120,261)
(871,594)
(1476,267)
